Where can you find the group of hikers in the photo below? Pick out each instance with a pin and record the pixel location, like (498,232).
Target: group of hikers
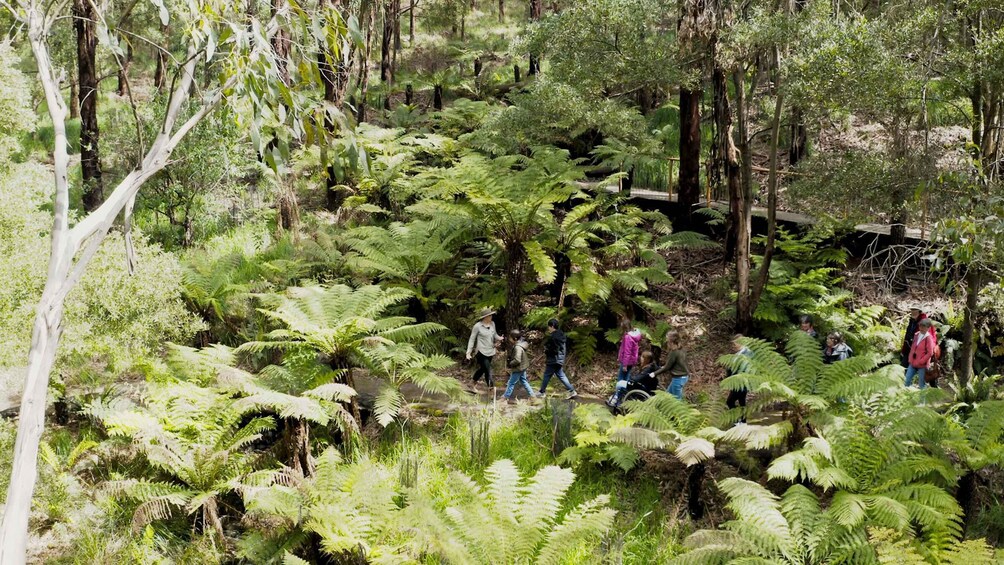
(640,370)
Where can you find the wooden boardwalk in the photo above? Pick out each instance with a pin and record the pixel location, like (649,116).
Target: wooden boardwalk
(914,234)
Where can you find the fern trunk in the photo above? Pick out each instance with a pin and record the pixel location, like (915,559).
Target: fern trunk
(515,271)
(296,446)
(695,483)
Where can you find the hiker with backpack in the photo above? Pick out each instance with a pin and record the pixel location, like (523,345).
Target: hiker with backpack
(554,349)
(518,363)
(627,356)
(482,345)
(923,350)
(836,349)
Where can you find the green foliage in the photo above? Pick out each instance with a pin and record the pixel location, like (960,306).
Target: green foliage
(196,439)
(16,116)
(348,328)
(114,319)
(509,520)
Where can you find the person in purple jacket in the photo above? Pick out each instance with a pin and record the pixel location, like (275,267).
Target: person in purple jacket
(628,354)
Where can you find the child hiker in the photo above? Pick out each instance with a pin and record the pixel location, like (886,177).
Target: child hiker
(519,362)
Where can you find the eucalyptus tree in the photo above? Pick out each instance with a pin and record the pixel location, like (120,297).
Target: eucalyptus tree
(228,42)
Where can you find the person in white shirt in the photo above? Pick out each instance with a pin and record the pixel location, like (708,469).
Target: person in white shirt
(482,345)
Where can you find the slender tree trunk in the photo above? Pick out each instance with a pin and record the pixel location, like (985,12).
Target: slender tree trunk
(772,181)
(411,23)
(728,157)
(74,98)
(536,10)
(123,76)
(740,206)
(364,70)
(690,149)
(386,40)
(160,72)
(84,23)
(501,11)
(974,283)
(799,137)
(900,194)
(335,71)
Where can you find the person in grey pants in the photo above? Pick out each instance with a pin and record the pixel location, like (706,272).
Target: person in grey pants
(481,345)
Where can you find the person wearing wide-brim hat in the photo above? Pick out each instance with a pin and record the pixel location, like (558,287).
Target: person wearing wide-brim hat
(481,345)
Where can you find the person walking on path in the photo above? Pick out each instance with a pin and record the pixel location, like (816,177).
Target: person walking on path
(519,362)
(916,315)
(481,345)
(628,354)
(922,351)
(836,349)
(738,397)
(676,365)
(641,377)
(554,350)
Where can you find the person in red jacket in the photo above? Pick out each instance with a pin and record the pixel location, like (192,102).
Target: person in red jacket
(922,351)
(916,315)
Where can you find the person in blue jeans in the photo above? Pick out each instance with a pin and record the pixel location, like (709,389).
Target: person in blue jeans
(554,350)
(922,353)
(676,365)
(518,363)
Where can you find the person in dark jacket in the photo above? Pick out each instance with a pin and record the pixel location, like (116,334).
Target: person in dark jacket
(738,397)
(676,365)
(640,378)
(554,350)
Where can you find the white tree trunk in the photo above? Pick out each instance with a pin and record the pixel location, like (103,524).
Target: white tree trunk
(63,274)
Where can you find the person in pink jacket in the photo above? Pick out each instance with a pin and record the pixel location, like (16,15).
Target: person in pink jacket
(921,353)
(628,354)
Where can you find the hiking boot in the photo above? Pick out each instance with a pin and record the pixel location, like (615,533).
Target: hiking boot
(572,395)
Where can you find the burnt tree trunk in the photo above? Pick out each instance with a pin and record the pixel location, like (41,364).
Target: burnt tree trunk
(695,484)
(84,23)
(409,94)
(536,10)
(74,98)
(741,205)
(386,39)
(799,137)
(437,97)
(515,73)
(689,193)
(123,76)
